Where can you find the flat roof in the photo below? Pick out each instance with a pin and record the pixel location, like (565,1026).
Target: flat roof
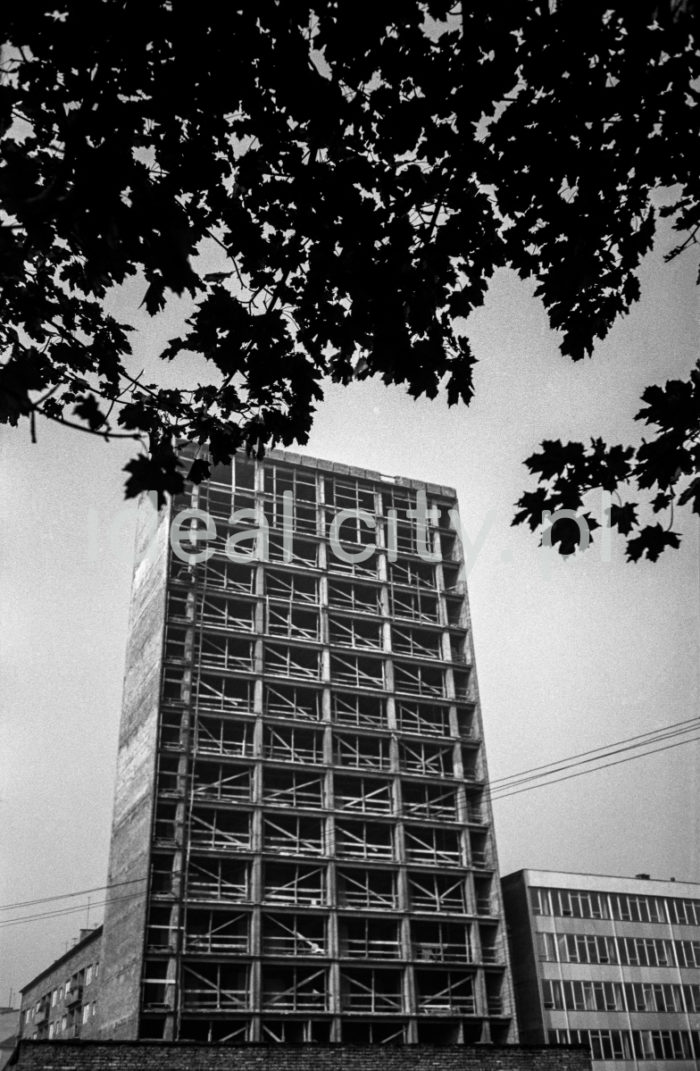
(337,468)
(605,882)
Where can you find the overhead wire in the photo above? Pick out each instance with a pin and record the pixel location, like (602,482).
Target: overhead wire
(68,895)
(691,723)
(525,784)
(514,784)
(61,912)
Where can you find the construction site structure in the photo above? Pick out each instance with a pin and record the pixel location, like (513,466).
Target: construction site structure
(302,844)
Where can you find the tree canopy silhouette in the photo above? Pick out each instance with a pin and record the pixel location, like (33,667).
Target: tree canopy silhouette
(355,176)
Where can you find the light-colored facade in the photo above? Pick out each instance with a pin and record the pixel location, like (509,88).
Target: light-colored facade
(302,795)
(611,962)
(61,1002)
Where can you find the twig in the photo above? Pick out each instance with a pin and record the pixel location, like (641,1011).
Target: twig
(106,435)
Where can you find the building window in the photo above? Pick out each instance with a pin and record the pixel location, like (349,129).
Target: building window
(691,997)
(547,946)
(623,907)
(552,995)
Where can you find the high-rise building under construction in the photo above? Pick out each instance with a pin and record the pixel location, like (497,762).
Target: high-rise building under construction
(302,846)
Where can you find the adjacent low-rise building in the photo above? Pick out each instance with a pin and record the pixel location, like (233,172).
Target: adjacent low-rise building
(611,962)
(61,1002)
(9,1024)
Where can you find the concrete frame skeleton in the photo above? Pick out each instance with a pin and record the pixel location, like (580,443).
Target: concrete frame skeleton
(302,782)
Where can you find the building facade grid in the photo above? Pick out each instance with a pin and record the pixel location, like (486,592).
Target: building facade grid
(609,962)
(317,844)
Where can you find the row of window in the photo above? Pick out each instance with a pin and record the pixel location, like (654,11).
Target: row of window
(227,987)
(211,646)
(234,654)
(359,795)
(217,733)
(412,587)
(209,931)
(281,618)
(632,1044)
(60,1026)
(404,532)
(302,746)
(224,738)
(626,951)
(585,995)
(227,560)
(236,695)
(196,537)
(70,990)
(439,1030)
(230,594)
(291,835)
(621,907)
(342,492)
(226,881)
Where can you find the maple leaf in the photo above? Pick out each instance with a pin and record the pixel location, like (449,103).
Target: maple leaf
(159,473)
(533,505)
(350,229)
(624,517)
(691,494)
(551,460)
(650,543)
(88,409)
(200,469)
(661,501)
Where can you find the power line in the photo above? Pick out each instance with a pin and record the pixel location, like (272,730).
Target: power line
(510,785)
(61,912)
(547,777)
(691,723)
(580,773)
(68,895)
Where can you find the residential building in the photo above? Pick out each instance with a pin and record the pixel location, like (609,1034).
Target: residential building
(61,1001)
(301,814)
(611,962)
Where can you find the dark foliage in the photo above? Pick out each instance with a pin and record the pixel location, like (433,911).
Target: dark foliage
(360,176)
(668,465)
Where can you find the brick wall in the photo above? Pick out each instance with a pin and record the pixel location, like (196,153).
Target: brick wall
(161,1056)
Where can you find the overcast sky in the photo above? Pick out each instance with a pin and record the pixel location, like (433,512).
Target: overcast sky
(569,656)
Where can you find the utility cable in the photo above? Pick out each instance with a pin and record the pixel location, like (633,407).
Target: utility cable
(579,773)
(690,723)
(76,909)
(66,896)
(511,785)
